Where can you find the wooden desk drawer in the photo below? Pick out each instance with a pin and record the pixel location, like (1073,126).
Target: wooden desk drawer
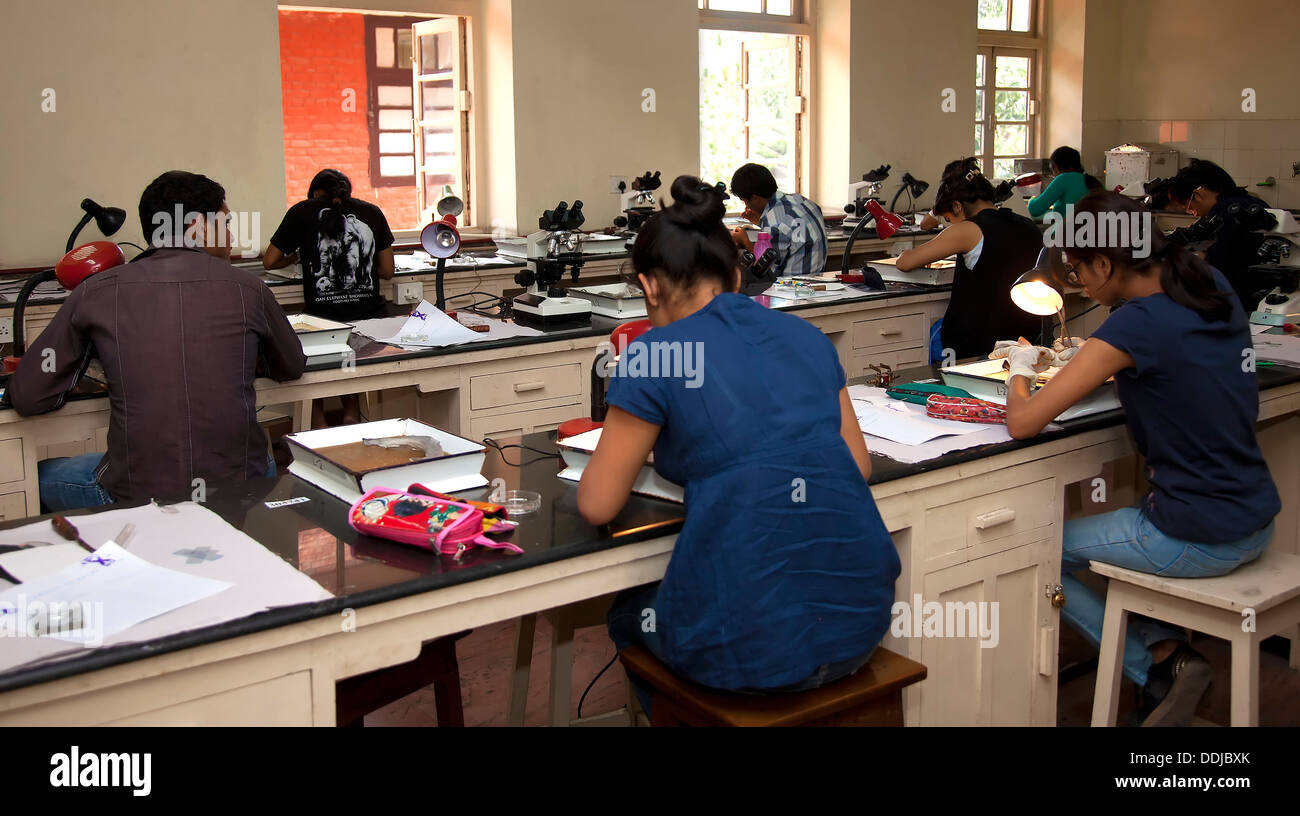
(983,525)
(527,385)
(11,461)
(907,330)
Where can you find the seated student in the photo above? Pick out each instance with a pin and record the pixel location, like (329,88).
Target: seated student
(1175,350)
(795,223)
(994,246)
(1069,185)
(1229,216)
(181,334)
(782,577)
(346,248)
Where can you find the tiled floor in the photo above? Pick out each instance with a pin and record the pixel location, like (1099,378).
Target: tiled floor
(485,671)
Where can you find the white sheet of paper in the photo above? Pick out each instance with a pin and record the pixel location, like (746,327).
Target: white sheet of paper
(384,328)
(1277,348)
(32,563)
(902,422)
(117,589)
(428,327)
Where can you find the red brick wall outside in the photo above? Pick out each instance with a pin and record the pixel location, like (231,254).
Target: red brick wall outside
(321,54)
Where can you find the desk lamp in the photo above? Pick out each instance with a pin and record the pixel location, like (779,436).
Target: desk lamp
(886,225)
(1041,290)
(441,240)
(915,188)
(71,271)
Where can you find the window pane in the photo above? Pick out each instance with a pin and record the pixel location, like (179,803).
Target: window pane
(769,145)
(1004,168)
(979,138)
(396,143)
(394,120)
(1012,72)
(1011,140)
(770,105)
(1020,15)
(435,53)
(383,48)
(993,14)
(1011,106)
(404,54)
(736,5)
(979,69)
(396,165)
(779,6)
(394,96)
(438,142)
(979,106)
(437,99)
(769,65)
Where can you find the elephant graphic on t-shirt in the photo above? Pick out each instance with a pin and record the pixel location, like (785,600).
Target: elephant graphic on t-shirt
(346,262)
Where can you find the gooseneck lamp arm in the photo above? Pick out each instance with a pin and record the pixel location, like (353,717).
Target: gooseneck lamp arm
(20,306)
(853,236)
(439,276)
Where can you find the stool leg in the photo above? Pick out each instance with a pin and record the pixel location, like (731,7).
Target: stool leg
(561,665)
(1105,699)
(1244,707)
(517,695)
(1295,647)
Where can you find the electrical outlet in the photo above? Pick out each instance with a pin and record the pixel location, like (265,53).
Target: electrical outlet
(614,181)
(408,292)
(6,330)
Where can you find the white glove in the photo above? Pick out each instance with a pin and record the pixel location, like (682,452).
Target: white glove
(1029,361)
(1063,353)
(1002,348)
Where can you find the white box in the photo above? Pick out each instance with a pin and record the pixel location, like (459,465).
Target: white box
(459,468)
(321,337)
(1132,165)
(577,450)
(986,380)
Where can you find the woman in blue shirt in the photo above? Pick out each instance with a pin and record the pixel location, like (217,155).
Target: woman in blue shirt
(1175,347)
(782,577)
(1070,184)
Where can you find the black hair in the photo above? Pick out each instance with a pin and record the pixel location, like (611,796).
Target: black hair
(753,179)
(1067,160)
(337,189)
(1207,174)
(191,192)
(1184,276)
(962,181)
(687,242)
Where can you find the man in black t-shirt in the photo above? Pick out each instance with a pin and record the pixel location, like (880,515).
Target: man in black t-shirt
(345,247)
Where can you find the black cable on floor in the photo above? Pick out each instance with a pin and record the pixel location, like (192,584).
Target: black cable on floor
(593,683)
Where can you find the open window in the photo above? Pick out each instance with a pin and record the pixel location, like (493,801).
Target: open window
(441,113)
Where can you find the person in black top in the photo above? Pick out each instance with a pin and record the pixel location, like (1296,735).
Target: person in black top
(994,247)
(345,247)
(1227,231)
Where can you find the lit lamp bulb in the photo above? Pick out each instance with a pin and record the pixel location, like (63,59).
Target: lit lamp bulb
(1037,298)
(1040,291)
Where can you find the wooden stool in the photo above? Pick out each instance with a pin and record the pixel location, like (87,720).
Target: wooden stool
(873,696)
(355,697)
(1269,585)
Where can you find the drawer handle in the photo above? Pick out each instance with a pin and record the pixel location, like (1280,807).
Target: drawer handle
(528,386)
(994,519)
(890,333)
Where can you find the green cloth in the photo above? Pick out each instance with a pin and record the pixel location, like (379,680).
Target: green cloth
(1067,188)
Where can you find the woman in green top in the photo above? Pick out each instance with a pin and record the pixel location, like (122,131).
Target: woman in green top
(1070,184)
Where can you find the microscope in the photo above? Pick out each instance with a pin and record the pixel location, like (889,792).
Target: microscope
(556,246)
(638,204)
(1281,263)
(860,192)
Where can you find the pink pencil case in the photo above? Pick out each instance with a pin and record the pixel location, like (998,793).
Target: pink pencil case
(432,523)
(965,409)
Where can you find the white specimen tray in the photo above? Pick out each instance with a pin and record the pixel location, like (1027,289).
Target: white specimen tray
(987,380)
(617,300)
(577,450)
(459,468)
(322,337)
(937,273)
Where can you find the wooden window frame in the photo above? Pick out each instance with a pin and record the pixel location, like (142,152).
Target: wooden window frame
(384,76)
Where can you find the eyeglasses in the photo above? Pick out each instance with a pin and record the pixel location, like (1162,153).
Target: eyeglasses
(1191,199)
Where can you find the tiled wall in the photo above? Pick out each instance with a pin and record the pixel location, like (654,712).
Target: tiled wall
(1250,150)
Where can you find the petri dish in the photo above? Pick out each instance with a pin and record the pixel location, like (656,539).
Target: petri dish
(522,502)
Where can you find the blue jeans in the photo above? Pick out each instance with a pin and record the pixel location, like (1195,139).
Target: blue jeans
(625,629)
(68,482)
(1127,538)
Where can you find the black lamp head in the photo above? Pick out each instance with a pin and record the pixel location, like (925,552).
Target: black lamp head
(108,219)
(915,186)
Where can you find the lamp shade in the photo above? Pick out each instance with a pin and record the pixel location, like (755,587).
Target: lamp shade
(87,260)
(108,219)
(1040,290)
(886,222)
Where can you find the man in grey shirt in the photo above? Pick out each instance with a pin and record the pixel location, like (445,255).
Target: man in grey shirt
(181,334)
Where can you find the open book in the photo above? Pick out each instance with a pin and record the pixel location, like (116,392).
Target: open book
(577,450)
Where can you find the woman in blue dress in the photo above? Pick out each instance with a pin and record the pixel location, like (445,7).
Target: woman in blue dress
(782,577)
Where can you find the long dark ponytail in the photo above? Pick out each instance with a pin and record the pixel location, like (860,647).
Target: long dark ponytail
(337,189)
(1185,277)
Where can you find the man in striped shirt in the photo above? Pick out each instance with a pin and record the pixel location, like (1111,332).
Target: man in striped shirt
(795,223)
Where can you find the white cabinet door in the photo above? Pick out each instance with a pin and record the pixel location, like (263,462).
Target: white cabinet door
(1012,680)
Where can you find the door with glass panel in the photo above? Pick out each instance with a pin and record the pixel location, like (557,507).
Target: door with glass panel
(440,112)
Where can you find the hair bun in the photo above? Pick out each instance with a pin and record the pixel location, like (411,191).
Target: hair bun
(695,204)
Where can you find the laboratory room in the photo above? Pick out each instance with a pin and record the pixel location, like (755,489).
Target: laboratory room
(688,363)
